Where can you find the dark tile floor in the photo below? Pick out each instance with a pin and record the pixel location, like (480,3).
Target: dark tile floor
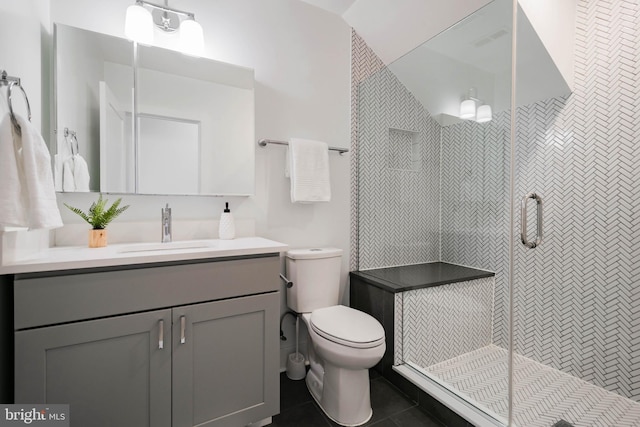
(391,408)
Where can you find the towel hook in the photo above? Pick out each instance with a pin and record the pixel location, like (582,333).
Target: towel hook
(72,134)
(11,82)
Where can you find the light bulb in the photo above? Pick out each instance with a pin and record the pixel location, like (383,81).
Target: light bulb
(191,37)
(138,24)
(484,114)
(468,109)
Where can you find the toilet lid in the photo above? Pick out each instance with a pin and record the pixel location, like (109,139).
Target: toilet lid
(346,326)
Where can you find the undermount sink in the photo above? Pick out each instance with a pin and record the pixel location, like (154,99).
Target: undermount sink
(168,246)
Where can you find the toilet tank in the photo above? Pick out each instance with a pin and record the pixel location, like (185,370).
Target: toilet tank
(315,274)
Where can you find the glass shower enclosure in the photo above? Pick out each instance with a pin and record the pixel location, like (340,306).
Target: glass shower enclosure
(535,186)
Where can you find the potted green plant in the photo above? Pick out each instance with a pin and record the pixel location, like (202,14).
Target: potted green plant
(99,216)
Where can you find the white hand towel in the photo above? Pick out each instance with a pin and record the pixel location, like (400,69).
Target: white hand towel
(42,204)
(81,173)
(75,174)
(309,170)
(287,163)
(63,154)
(58,167)
(68,180)
(13,196)
(37,194)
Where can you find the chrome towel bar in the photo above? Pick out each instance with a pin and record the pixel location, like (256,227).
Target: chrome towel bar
(264,142)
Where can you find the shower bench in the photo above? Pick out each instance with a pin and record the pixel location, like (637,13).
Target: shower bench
(430,312)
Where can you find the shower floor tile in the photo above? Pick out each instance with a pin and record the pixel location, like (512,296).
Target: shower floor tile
(542,396)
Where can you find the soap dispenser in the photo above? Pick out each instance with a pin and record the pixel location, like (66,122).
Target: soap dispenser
(227,229)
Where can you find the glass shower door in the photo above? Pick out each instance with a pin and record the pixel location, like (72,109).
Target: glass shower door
(433,187)
(576,287)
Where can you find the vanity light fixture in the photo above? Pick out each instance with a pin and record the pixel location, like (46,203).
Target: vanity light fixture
(468,109)
(483,114)
(473,108)
(142,16)
(138,24)
(191,37)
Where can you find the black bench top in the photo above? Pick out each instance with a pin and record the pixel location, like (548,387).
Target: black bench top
(417,276)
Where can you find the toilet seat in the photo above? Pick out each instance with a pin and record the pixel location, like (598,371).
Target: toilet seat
(347,326)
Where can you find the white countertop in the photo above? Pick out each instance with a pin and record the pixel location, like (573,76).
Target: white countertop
(76,257)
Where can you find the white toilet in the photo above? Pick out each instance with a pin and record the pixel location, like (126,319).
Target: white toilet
(345,342)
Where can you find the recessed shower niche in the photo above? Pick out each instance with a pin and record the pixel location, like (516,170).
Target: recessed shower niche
(405,151)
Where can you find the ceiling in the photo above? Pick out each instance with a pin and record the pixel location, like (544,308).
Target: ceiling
(411,22)
(335,6)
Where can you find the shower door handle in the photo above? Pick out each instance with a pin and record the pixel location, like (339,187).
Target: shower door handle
(523,221)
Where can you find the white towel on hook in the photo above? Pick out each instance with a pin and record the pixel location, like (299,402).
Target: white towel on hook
(309,171)
(75,174)
(81,173)
(287,163)
(63,155)
(68,181)
(13,195)
(27,195)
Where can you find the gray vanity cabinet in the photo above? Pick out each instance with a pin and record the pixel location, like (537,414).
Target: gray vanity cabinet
(224,362)
(111,371)
(161,346)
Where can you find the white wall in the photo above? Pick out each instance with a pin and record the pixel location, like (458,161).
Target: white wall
(301,57)
(20,56)
(20,32)
(554,22)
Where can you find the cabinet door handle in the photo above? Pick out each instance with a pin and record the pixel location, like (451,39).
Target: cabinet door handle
(182,327)
(161,335)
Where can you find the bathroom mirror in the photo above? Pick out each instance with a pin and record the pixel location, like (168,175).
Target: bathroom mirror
(195,118)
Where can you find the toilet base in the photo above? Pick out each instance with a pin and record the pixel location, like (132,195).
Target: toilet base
(342,394)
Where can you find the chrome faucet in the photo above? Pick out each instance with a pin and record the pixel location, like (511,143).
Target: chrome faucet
(166,224)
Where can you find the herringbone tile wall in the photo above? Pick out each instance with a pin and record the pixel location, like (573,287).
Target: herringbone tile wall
(475,204)
(398,208)
(443,322)
(578,295)
(364,62)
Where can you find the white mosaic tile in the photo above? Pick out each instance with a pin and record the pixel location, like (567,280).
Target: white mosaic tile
(398,209)
(442,322)
(542,395)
